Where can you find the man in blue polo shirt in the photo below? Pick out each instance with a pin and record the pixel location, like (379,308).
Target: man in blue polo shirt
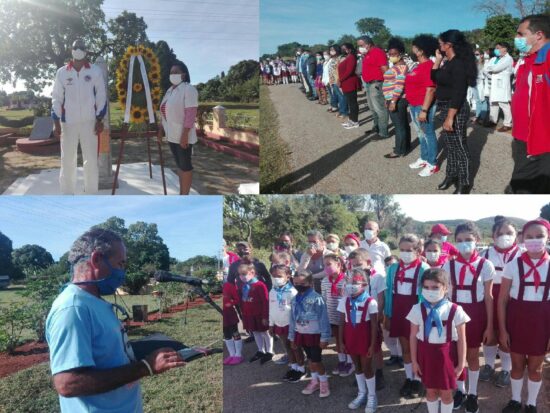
(93,366)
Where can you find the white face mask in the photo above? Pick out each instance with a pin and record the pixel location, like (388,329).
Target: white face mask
(78,54)
(175,79)
(278,282)
(326,56)
(505,241)
(354,289)
(432,256)
(333,246)
(369,234)
(486,56)
(444,238)
(466,247)
(433,296)
(350,248)
(362,50)
(407,256)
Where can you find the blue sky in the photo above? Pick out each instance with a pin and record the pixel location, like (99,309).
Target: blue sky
(189,225)
(313,22)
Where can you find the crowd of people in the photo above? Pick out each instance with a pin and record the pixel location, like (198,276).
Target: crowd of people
(447,75)
(434,305)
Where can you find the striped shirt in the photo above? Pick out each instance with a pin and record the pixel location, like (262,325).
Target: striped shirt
(394,82)
(332,300)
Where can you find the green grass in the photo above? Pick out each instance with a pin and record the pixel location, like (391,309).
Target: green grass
(15,114)
(274,151)
(197,387)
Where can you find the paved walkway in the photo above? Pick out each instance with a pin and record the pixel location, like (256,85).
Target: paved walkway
(326,158)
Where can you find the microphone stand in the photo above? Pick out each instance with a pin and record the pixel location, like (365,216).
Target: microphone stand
(198,290)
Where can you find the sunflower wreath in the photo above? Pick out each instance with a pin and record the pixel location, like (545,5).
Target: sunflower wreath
(138,103)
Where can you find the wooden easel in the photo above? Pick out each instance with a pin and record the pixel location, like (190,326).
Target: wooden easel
(148,134)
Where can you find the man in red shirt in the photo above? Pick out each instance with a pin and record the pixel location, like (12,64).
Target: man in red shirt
(530,108)
(375,63)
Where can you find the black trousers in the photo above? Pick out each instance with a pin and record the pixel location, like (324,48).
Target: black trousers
(400,120)
(531,175)
(353,106)
(458,154)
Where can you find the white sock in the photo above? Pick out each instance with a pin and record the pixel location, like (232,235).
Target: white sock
(268,342)
(505,361)
(433,407)
(314,376)
(473,377)
(517,384)
(361,384)
(533,388)
(259,341)
(461,386)
(230,345)
(399,349)
(341,357)
(238,347)
(301,368)
(409,370)
(323,377)
(446,408)
(348,359)
(294,366)
(490,354)
(371,385)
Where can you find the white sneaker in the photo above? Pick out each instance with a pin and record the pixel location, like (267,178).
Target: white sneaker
(419,163)
(429,170)
(372,404)
(358,401)
(346,123)
(352,125)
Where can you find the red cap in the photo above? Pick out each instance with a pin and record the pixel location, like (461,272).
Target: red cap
(440,229)
(538,221)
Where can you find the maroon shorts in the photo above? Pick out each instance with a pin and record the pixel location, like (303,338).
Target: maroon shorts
(280,331)
(253,323)
(528,327)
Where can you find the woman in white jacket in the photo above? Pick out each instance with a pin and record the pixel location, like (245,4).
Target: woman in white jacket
(500,69)
(179,112)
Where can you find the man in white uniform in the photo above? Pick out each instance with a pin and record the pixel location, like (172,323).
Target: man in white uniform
(79,103)
(500,69)
(377,249)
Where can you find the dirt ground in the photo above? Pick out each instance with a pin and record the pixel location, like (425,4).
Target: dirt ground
(215,173)
(251,387)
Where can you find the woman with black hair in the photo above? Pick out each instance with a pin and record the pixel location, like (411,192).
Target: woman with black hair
(452,80)
(350,84)
(179,112)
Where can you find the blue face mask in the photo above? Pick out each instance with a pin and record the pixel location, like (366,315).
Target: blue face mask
(110,283)
(497,52)
(521,44)
(466,247)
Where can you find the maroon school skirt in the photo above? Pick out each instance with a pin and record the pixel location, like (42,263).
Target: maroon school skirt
(477,325)
(437,363)
(496,293)
(307,340)
(528,327)
(399,325)
(357,339)
(253,323)
(280,331)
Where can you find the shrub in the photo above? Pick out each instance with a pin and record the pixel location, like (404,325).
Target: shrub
(136,281)
(13,320)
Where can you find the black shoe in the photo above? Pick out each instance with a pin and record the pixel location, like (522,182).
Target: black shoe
(447,183)
(256,356)
(530,409)
(416,388)
(296,376)
(458,400)
(249,339)
(462,189)
(471,405)
(380,382)
(406,390)
(512,407)
(400,362)
(391,361)
(288,374)
(266,357)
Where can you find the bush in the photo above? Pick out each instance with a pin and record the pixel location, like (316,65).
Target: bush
(13,320)
(136,281)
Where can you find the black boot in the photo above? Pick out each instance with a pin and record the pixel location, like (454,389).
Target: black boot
(447,183)
(462,189)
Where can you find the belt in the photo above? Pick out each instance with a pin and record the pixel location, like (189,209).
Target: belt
(374,81)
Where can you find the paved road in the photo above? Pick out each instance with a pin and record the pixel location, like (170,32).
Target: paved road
(326,158)
(258,389)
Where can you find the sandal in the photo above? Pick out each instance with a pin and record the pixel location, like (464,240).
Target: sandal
(391,155)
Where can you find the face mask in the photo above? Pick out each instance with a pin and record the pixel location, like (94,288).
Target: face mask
(395,59)
(298,53)
(278,282)
(330,270)
(369,234)
(432,256)
(78,54)
(466,247)
(326,56)
(497,52)
(333,246)
(486,56)
(333,53)
(362,50)
(478,57)
(444,238)
(319,58)
(522,45)
(535,245)
(350,248)
(301,288)
(175,79)
(354,289)
(407,256)
(433,296)
(111,282)
(244,278)
(505,241)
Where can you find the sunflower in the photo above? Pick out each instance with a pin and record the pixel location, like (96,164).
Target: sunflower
(144,113)
(154,76)
(131,50)
(137,115)
(138,87)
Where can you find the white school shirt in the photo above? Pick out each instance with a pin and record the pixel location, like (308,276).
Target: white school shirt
(178,99)
(279,313)
(377,285)
(378,251)
(464,296)
(497,258)
(415,317)
(511,272)
(406,288)
(373,309)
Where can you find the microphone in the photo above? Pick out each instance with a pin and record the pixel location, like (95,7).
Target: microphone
(165,276)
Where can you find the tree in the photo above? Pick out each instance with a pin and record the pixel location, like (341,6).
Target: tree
(115,224)
(37,37)
(6,249)
(31,258)
(239,211)
(545,212)
(288,50)
(346,38)
(240,73)
(380,205)
(500,29)
(521,7)
(145,246)
(399,224)
(375,28)
(166,57)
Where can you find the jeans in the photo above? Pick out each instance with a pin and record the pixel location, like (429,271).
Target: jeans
(311,82)
(353,106)
(481,103)
(426,133)
(342,102)
(377,105)
(400,120)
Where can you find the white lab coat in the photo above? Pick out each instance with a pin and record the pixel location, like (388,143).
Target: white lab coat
(501,73)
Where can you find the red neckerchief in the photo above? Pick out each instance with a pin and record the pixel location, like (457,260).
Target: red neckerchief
(71,66)
(403,269)
(533,268)
(467,265)
(505,251)
(334,284)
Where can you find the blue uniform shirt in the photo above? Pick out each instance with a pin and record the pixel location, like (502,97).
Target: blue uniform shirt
(82,330)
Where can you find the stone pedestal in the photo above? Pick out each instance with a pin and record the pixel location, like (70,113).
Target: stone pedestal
(220,118)
(104,157)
